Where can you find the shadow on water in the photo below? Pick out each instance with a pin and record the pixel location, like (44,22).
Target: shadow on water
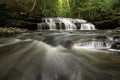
(31,59)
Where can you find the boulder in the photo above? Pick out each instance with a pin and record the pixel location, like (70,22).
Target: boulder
(116,46)
(68,44)
(116,38)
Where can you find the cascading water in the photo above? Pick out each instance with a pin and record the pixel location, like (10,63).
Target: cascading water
(40,61)
(52,56)
(65,24)
(87,26)
(94,44)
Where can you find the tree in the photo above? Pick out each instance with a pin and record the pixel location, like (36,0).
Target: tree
(34,4)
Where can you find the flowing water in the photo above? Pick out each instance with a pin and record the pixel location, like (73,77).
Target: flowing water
(59,55)
(65,24)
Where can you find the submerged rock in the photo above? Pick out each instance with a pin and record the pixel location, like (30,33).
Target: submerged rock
(68,44)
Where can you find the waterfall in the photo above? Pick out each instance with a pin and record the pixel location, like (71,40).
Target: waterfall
(87,26)
(64,24)
(94,44)
(69,25)
(81,21)
(52,25)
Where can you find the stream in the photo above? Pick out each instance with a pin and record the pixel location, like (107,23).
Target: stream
(60,55)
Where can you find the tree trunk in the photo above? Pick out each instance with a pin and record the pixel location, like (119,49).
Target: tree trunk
(34,4)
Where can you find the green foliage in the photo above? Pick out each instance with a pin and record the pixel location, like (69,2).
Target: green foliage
(97,9)
(87,9)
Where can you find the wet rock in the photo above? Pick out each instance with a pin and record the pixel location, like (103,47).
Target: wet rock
(117,30)
(116,45)
(8,31)
(68,44)
(116,38)
(109,31)
(101,37)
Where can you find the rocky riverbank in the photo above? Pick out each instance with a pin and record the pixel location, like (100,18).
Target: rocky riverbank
(8,31)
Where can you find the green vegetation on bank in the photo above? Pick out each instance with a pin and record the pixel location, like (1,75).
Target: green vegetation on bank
(93,10)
